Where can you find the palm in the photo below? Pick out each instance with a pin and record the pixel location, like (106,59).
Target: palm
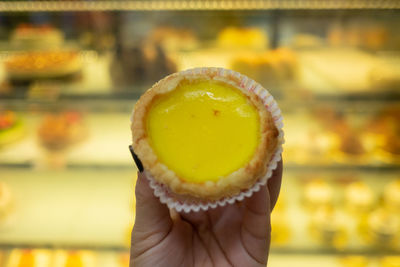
(234,235)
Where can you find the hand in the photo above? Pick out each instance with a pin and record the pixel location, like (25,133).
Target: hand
(233,235)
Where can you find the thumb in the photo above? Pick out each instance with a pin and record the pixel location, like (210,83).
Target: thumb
(151,214)
(152,220)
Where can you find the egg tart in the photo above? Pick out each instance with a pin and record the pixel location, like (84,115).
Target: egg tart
(204,133)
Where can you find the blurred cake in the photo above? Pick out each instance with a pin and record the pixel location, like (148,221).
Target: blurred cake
(372,37)
(359,198)
(29,36)
(123,259)
(280,231)
(317,193)
(272,68)
(328,227)
(58,131)
(376,37)
(347,144)
(391,196)
(385,129)
(173,39)
(381,227)
(306,40)
(29,258)
(42,64)
(11,127)
(354,261)
(349,140)
(243,37)
(390,261)
(76,258)
(140,64)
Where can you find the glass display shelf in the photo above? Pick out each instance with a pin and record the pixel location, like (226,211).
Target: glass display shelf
(315,81)
(101,141)
(69,208)
(102,205)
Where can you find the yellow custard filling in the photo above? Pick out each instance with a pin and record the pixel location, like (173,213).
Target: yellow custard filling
(203,130)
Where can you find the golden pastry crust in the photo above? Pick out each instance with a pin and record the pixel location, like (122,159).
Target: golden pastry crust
(230,185)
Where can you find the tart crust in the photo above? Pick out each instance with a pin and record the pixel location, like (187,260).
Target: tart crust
(228,186)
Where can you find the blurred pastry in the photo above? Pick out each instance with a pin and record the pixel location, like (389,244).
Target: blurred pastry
(74,259)
(351,144)
(5,201)
(336,36)
(391,196)
(328,227)
(348,143)
(281,204)
(272,69)
(375,37)
(173,39)
(29,258)
(241,37)
(280,231)
(390,261)
(381,227)
(58,131)
(317,193)
(11,127)
(77,258)
(353,36)
(30,36)
(32,65)
(359,198)
(141,64)
(123,259)
(385,75)
(305,40)
(354,261)
(385,128)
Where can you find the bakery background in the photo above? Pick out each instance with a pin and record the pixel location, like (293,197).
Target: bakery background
(70,72)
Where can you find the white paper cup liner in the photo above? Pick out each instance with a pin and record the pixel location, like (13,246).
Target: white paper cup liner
(180,204)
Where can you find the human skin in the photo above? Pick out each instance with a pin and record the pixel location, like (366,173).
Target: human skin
(233,235)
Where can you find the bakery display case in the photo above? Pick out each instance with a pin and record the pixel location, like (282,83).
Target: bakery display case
(71,71)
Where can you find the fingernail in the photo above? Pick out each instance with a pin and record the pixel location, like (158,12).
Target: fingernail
(138,163)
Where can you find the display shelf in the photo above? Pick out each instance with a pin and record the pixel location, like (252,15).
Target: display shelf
(20,6)
(106,144)
(94,79)
(108,137)
(95,87)
(72,209)
(102,208)
(386,168)
(292,205)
